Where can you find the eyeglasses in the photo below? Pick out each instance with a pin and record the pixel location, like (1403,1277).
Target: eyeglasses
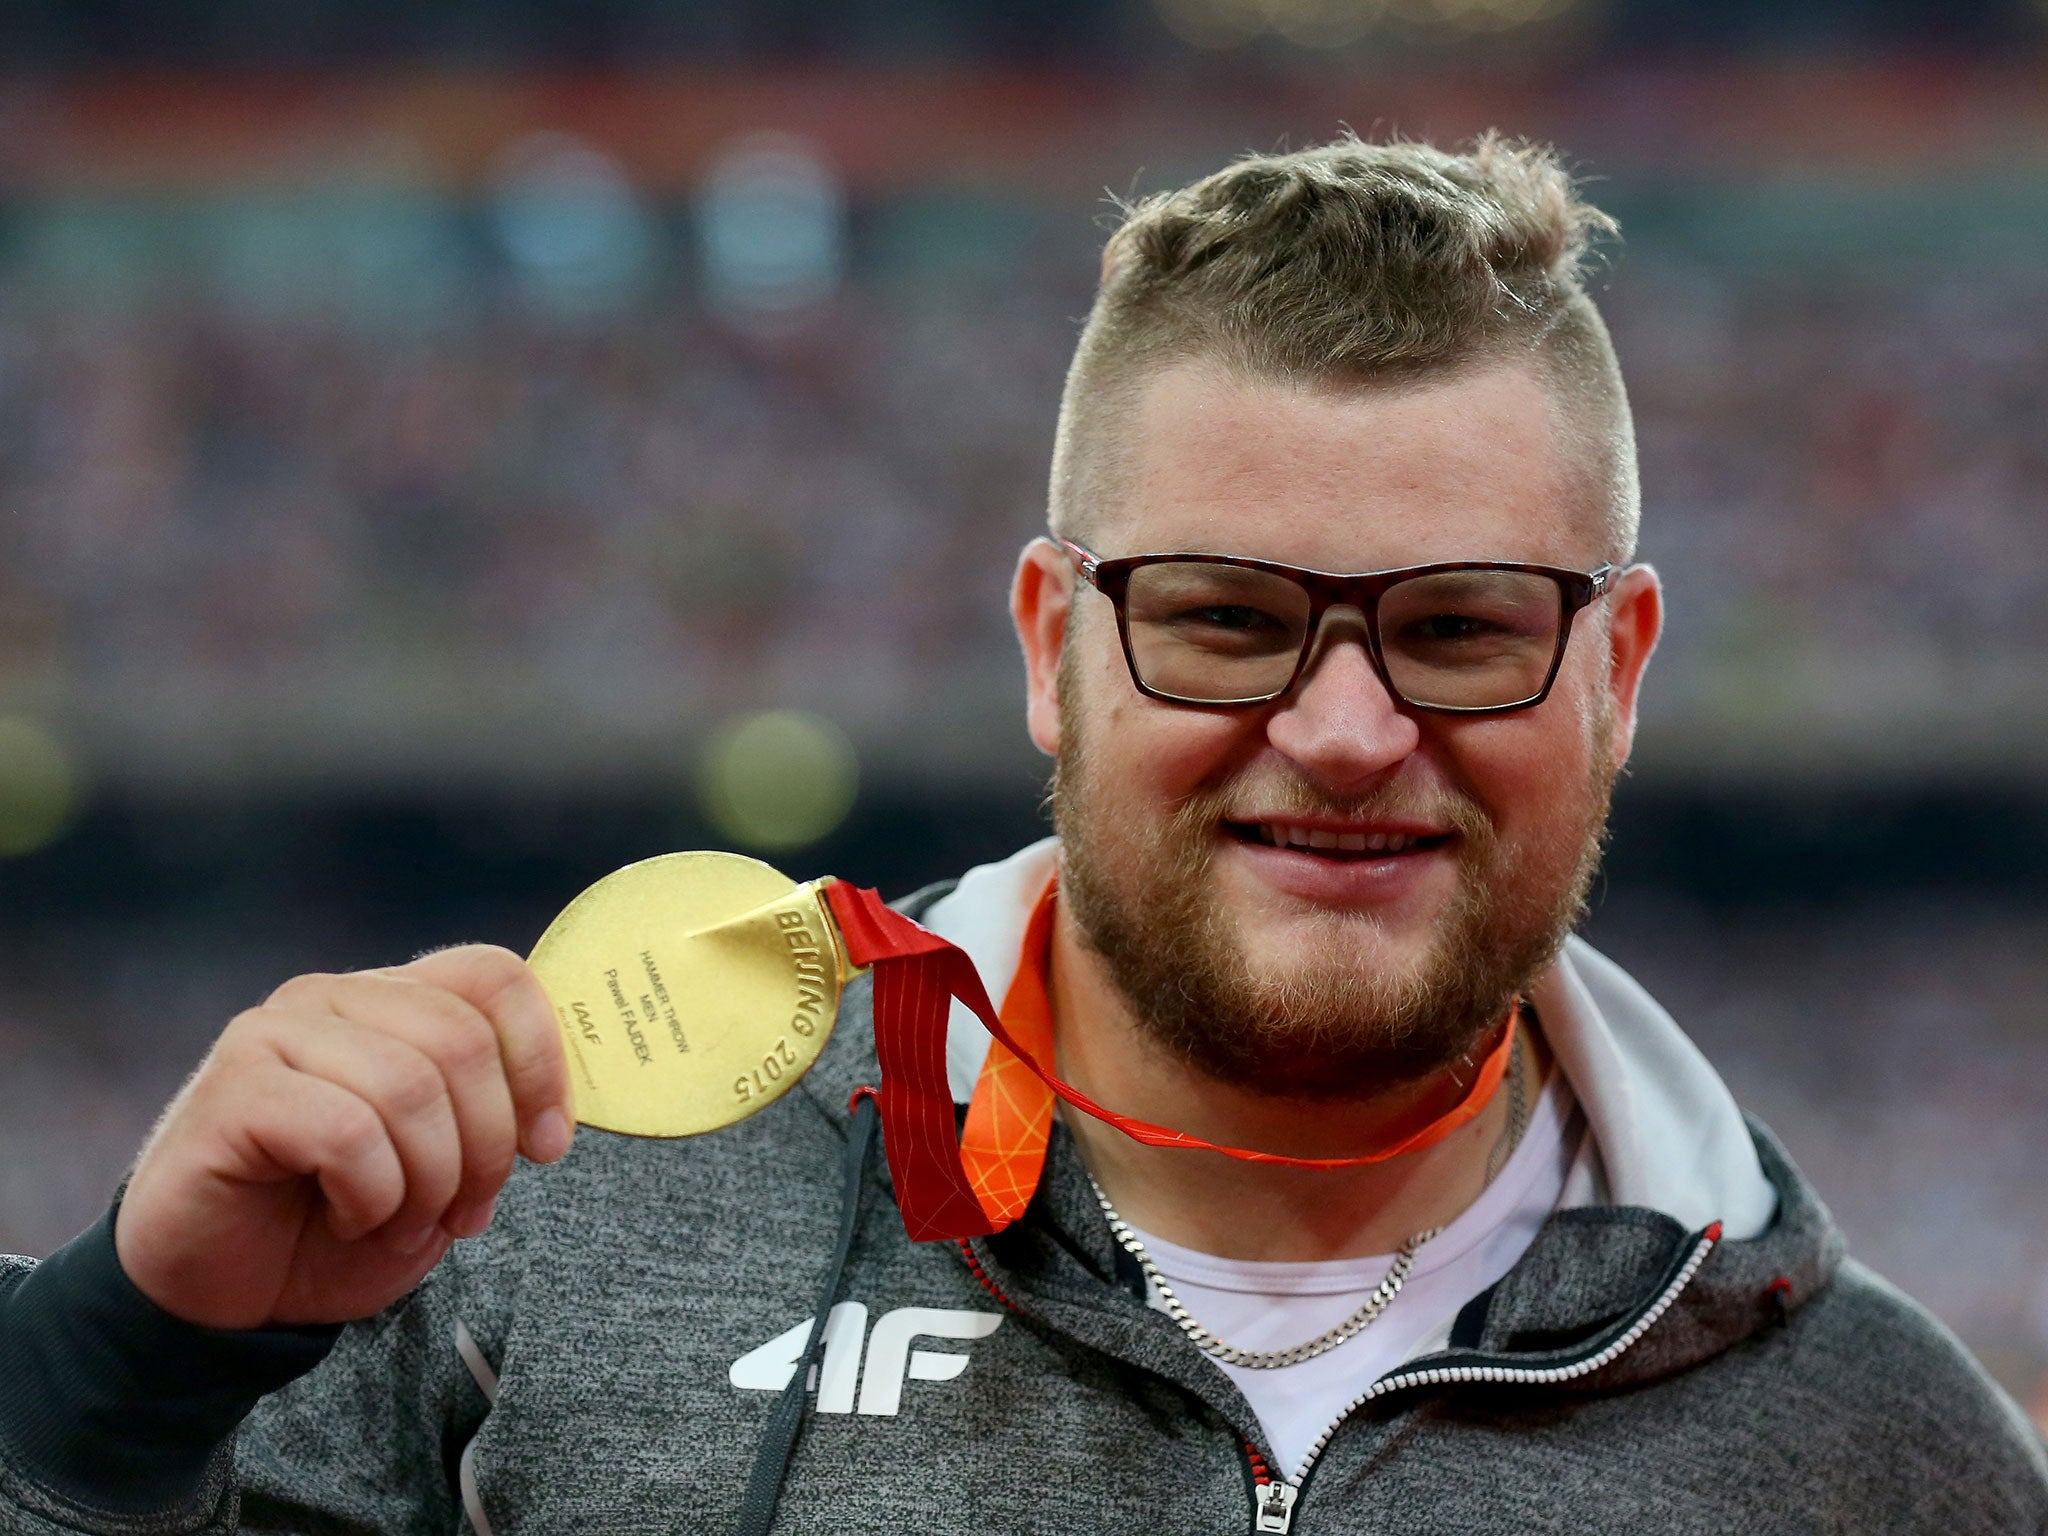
(1462,637)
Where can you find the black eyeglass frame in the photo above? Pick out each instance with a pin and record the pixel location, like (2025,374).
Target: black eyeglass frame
(1326,590)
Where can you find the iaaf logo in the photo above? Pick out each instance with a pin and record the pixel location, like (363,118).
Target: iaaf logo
(890,1362)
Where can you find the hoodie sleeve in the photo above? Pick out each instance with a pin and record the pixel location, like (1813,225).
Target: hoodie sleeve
(118,1418)
(113,1411)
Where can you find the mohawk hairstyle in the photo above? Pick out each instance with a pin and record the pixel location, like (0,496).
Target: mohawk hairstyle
(1349,263)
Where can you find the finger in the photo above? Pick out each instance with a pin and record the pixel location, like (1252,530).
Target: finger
(308,1126)
(504,987)
(463,1044)
(406,1090)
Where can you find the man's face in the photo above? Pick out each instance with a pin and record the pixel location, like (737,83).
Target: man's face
(1331,967)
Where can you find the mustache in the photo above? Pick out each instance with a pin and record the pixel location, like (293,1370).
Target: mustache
(1279,797)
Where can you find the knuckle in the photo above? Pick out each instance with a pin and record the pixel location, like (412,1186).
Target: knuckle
(495,960)
(484,975)
(498,971)
(248,1041)
(414,1088)
(356,1131)
(436,1006)
(243,1030)
(486,963)
(302,989)
(450,1031)
(468,1043)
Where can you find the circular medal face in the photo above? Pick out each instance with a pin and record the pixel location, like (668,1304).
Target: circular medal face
(692,989)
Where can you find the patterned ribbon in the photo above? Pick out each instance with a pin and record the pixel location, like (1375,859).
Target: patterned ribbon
(950,1186)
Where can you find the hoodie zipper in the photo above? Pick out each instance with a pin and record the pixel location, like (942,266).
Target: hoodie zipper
(1274,1499)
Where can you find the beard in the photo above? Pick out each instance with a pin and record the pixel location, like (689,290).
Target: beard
(1334,1023)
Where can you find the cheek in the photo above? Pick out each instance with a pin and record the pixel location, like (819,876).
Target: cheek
(1533,769)
(1145,758)
(1138,749)
(1163,752)
(1529,772)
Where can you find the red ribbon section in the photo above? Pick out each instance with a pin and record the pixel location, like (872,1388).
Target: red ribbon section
(917,974)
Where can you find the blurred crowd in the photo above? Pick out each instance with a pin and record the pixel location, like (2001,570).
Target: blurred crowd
(228,501)
(1844,478)
(1890,1043)
(210,504)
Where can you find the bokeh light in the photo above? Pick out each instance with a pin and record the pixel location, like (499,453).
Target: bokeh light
(38,786)
(570,222)
(771,220)
(778,780)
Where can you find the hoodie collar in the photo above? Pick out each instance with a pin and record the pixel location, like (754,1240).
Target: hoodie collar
(1668,1133)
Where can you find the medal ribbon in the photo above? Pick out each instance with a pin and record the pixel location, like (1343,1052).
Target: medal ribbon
(917,975)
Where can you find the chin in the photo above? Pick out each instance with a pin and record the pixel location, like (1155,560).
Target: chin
(1294,932)
(1341,948)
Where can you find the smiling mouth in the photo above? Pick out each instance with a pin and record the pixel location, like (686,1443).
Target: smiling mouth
(1334,843)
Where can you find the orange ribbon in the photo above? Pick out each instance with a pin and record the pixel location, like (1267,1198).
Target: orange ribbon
(981,1181)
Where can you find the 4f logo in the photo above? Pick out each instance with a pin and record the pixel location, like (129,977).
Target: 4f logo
(890,1359)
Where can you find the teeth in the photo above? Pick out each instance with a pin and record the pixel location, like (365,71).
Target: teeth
(1281,835)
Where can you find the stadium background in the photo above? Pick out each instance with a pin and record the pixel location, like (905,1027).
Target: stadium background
(448,451)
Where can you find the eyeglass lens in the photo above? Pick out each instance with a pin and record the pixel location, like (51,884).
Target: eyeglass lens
(1227,634)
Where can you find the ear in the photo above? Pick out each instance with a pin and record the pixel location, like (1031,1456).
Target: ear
(1041,596)
(1635,620)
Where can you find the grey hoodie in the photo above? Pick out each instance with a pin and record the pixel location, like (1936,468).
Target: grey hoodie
(604,1358)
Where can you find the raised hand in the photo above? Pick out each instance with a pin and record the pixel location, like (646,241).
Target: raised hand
(340,1136)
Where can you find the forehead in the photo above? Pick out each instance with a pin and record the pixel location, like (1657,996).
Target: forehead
(1352,477)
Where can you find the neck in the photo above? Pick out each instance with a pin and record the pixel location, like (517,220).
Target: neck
(1232,1209)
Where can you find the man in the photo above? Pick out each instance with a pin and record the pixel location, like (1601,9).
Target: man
(1491,1250)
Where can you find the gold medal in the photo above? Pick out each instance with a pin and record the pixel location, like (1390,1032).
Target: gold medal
(692,990)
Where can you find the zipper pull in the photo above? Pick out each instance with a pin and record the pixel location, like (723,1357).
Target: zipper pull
(1274,1510)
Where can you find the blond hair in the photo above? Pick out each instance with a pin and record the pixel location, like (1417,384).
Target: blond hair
(1347,263)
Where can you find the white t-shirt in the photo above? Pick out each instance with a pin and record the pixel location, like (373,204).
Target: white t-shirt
(1264,1305)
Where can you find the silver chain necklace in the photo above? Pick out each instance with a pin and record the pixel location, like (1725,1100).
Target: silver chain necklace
(1378,1302)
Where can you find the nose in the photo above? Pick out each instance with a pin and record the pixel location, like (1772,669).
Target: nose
(1339,723)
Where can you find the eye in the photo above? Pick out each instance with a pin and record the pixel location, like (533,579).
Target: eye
(1234,616)
(1218,610)
(1443,627)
